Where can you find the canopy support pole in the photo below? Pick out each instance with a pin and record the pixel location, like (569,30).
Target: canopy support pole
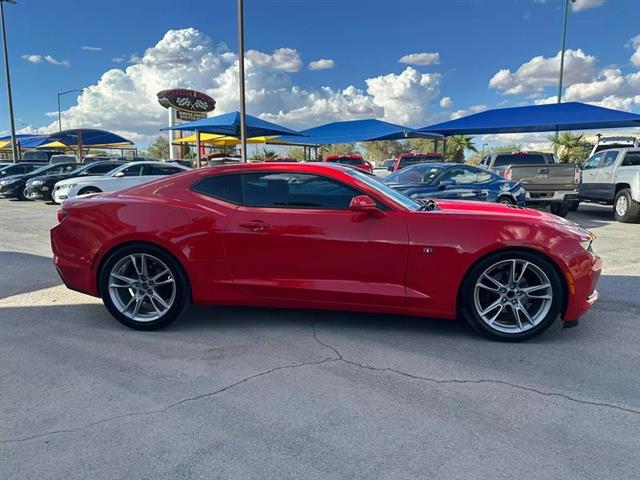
(80,157)
(198,155)
(243,126)
(444,149)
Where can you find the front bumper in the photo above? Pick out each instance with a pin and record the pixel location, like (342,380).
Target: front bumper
(582,289)
(59,195)
(9,191)
(36,192)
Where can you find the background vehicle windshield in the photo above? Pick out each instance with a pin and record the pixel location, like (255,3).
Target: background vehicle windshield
(346,160)
(419,159)
(423,173)
(46,168)
(383,189)
(519,159)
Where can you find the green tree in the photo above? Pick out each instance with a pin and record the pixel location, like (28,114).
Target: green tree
(508,148)
(339,149)
(571,147)
(422,145)
(297,153)
(383,149)
(159,148)
(457,145)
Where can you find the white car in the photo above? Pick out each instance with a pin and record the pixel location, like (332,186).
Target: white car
(124,176)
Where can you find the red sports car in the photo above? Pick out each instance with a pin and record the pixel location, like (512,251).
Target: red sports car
(356,161)
(324,237)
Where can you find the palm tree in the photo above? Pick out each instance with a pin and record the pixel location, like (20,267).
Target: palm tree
(457,145)
(571,147)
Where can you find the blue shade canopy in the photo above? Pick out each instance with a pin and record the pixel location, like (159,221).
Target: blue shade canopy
(353,131)
(537,118)
(90,137)
(229,124)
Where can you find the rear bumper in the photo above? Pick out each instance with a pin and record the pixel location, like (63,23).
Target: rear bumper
(545,197)
(74,269)
(582,290)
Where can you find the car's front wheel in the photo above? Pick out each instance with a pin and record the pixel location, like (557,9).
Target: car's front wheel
(144,287)
(512,296)
(89,190)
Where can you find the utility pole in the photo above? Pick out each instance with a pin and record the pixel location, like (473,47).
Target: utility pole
(243,126)
(564,45)
(59,114)
(14,142)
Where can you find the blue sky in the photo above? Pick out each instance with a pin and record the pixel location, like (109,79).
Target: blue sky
(365,39)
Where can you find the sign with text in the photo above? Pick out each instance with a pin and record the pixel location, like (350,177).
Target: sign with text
(186,100)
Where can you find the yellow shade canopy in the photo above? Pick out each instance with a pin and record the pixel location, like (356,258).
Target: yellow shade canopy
(54,144)
(213,139)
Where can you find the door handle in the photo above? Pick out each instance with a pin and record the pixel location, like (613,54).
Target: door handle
(255,225)
(607,172)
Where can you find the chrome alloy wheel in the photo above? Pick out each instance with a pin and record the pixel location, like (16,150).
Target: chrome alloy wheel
(513,296)
(622,205)
(142,287)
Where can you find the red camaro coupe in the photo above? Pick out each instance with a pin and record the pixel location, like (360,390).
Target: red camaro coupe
(326,237)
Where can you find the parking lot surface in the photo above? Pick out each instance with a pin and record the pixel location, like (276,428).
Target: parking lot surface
(249,393)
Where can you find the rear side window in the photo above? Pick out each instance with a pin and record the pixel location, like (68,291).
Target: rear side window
(223,187)
(295,190)
(631,159)
(132,171)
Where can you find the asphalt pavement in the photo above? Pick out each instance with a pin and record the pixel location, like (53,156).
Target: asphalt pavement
(245,393)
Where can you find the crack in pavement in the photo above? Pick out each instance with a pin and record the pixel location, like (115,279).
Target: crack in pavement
(338,358)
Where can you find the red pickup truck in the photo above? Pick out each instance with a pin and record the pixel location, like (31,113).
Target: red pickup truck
(353,160)
(406,159)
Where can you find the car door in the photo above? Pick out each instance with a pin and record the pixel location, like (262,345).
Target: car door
(589,184)
(294,237)
(461,183)
(604,186)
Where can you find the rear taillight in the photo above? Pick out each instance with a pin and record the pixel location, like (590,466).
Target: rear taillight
(62,213)
(576,176)
(507,173)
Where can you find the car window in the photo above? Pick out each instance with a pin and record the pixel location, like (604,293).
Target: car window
(417,174)
(461,175)
(99,168)
(224,187)
(609,158)
(519,159)
(133,171)
(592,162)
(346,160)
(485,177)
(68,168)
(406,161)
(631,159)
(295,190)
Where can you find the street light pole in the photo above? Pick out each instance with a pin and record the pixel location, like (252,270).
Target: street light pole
(59,114)
(243,126)
(564,44)
(14,142)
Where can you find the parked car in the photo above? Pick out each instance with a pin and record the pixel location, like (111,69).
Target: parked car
(308,235)
(63,159)
(455,181)
(547,182)
(356,161)
(124,176)
(14,185)
(406,159)
(612,177)
(385,168)
(39,155)
(19,168)
(42,187)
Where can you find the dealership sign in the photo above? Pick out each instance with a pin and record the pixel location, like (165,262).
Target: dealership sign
(186,100)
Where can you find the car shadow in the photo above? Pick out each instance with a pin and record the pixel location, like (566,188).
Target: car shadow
(590,216)
(25,272)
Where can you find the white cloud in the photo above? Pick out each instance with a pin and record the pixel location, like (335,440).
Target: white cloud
(540,72)
(421,59)
(468,111)
(285,59)
(580,5)
(91,49)
(124,100)
(635,44)
(322,64)
(37,58)
(446,102)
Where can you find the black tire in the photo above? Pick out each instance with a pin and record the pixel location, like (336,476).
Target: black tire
(575,204)
(632,212)
(88,190)
(561,209)
(183,290)
(469,310)
(20,195)
(506,200)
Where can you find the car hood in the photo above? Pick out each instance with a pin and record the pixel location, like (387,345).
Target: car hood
(74,180)
(13,177)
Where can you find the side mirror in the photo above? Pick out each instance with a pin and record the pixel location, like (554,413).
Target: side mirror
(444,184)
(365,204)
(119,175)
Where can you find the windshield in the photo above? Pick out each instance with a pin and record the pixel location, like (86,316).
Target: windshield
(423,173)
(346,160)
(35,156)
(383,189)
(404,161)
(519,159)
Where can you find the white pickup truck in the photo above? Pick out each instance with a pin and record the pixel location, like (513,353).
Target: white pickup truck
(612,177)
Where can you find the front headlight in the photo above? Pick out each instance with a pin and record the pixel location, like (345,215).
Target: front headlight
(36,183)
(66,187)
(587,243)
(7,182)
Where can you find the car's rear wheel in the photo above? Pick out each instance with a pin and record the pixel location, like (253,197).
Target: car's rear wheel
(144,287)
(506,200)
(512,296)
(625,209)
